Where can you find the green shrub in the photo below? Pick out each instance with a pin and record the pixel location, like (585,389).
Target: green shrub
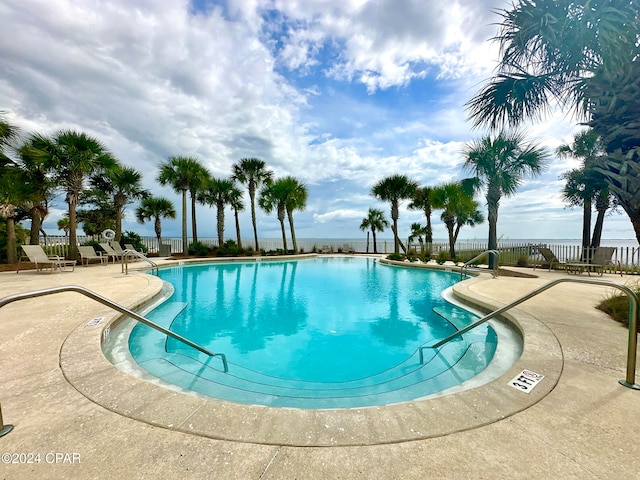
(617,306)
(443,256)
(134,239)
(523,261)
(199,249)
(398,257)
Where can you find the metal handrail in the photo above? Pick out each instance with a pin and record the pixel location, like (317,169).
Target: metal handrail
(105,301)
(633,321)
(135,253)
(478,257)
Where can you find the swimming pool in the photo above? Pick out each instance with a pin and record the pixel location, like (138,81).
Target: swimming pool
(330,332)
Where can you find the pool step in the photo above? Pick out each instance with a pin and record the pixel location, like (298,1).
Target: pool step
(448,368)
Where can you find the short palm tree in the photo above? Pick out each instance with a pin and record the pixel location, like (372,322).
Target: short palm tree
(423,200)
(272,197)
(500,164)
(74,156)
(418,232)
(254,173)
(218,192)
(375,222)
(394,189)
(458,208)
(296,195)
(155,208)
(180,173)
(124,185)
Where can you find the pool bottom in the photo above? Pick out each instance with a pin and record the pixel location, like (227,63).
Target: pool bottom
(90,373)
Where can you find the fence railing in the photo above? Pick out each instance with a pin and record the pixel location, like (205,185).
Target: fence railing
(510,252)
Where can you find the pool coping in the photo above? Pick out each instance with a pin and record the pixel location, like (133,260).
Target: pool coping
(87,369)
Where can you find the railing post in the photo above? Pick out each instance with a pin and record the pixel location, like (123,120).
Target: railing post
(4,429)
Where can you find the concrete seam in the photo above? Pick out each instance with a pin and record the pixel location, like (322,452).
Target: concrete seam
(269,464)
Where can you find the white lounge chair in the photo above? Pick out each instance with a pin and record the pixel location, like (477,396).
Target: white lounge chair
(88,253)
(110,252)
(37,255)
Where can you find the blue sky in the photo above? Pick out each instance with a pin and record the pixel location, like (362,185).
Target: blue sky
(339,93)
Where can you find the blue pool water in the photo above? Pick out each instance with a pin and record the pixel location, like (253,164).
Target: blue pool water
(330,332)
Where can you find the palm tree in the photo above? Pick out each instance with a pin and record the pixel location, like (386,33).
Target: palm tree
(500,164)
(580,55)
(237,204)
(63,224)
(423,200)
(394,189)
(254,173)
(181,173)
(10,193)
(583,184)
(458,209)
(376,222)
(418,231)
(124,184)
(273,198)
(74,156)
(218,192)
(155,208)
(39,184)
(8,134)
(198,180)
(295,195)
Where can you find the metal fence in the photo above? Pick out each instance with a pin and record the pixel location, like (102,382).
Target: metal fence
(511,253)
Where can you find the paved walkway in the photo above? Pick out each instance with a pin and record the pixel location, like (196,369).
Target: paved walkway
(587,426)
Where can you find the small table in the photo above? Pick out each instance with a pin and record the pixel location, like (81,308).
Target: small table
(578,267)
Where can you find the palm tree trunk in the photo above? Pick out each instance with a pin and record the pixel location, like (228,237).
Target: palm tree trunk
(157,226)
(452,242)
(118,223)
(394,217)
(367,241)
(586,228)
(252,196)
(185,246)
(375,245)
(73,225)
(293,232)
(492,217)
(36,226)
(12,254)
(284,235)
(239,240)
(220,216)
(428,236)
(597,229)
(194,227)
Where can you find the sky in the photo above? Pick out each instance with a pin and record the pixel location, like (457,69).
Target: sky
(338,93)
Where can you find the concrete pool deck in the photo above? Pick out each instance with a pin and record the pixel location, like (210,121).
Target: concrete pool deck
(577,423)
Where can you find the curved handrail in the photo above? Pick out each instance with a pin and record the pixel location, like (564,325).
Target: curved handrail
(478,257)
(135,253)
(115,306)
(633,321)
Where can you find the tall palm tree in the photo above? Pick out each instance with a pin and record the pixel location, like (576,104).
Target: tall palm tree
(155,208)
(423,200)
(198,180)
(499,165)
(254,173)
(74,156)
(237,204)
(272,197)
(580,55)
(39,182)
(394,189)
(296,195)
(10,193)
(8,135)
(181,173)
(124,185)
(375,222)
(218,192)
(583,184)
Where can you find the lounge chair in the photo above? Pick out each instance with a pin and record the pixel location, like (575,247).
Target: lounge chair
(550,258)
(110,252)
(88,253)
(602,257)
(37,255)
(117,248)
(346,248)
